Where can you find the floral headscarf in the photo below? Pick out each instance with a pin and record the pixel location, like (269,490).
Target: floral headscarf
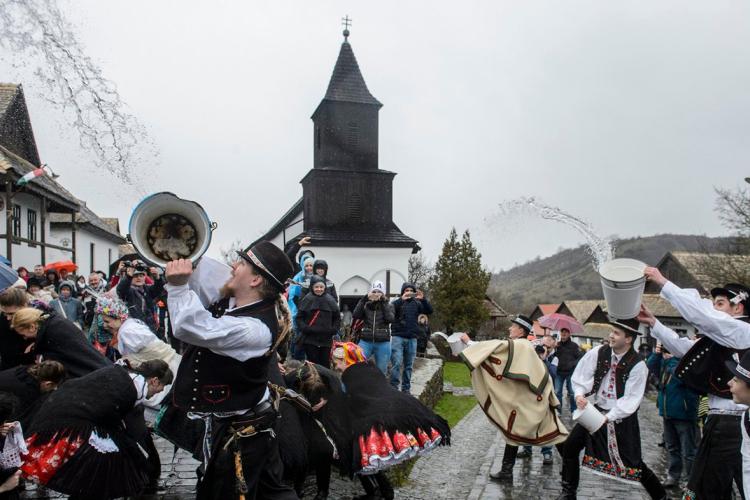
(349,352)
(110,306)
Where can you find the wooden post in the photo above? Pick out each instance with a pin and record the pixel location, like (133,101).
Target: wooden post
(8,219)
(73,217)
(387,283)
(44,230)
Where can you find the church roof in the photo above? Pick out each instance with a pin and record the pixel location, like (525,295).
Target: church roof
(90,220)
(347,83)
(353,237)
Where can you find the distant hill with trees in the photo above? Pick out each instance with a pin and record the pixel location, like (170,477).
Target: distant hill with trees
(569,274)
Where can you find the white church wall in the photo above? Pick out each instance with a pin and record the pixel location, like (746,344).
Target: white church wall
(352,269)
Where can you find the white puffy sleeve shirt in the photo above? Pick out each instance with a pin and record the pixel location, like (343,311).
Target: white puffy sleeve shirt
(238,337)
(623,407)
(133,336)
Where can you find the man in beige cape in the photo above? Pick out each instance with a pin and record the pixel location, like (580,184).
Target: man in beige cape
(516,392)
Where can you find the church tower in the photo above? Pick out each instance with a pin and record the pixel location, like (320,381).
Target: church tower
(347,197)
(346,207)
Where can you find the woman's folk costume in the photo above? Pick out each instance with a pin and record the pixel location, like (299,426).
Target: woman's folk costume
(77,444)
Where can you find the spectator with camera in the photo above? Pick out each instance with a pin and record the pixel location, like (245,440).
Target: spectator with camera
(140,297)
(568,355)
(545,349)
(377,314)
(405,330)
(678,407)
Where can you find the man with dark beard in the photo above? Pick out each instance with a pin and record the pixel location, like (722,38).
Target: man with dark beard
(223,377)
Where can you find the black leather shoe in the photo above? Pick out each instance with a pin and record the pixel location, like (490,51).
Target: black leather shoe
(670,482)
(502,475)
(523,453)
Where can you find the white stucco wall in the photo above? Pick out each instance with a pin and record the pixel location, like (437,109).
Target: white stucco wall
(105,251)
(23,254)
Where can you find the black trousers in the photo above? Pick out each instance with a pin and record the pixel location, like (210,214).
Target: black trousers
(319,355)
(718,460)
(261,466)
(575,444)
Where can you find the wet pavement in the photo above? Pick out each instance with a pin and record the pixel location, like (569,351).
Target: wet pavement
(457,472)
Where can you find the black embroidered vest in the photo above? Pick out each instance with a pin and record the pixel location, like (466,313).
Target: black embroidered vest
(210,382)
(624,367)
(703,367)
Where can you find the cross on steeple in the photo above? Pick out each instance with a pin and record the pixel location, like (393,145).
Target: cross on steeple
(346,22)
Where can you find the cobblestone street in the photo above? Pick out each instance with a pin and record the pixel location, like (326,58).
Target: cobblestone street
(457,472)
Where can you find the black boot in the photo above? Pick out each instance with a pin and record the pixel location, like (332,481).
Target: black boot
(653,486)
(509,460)
(386,490)
(571,474)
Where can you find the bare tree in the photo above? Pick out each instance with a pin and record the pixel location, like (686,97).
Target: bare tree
(229,255)
(420,270)
(728,261)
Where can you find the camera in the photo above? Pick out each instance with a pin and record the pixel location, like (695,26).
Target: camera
(540,349)
(127,263)
(141,268)
(413,295)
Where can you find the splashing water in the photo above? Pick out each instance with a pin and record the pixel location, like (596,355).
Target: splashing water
(74,83)
(601,248)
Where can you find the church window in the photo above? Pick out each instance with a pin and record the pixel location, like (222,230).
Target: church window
(355,206)
(317,138)
(352,136)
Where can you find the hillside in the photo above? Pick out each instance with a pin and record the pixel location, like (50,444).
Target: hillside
(569,274)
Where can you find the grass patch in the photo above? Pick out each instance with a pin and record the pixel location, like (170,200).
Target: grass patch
(454,408)
(457,373)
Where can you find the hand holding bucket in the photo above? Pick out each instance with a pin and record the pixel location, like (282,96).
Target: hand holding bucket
(589,417)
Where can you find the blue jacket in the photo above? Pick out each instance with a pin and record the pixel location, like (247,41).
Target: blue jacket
(675,399)
(294,290)
(406,321)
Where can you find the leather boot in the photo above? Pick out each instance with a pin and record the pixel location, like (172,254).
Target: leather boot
(386,490)
(509,460)
(571,474)
(653,486)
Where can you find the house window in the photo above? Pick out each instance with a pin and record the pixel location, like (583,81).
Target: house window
(352,136)
(16,220)
(355,206)
(31,227)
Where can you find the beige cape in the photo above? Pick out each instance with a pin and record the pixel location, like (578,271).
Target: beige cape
(515,391)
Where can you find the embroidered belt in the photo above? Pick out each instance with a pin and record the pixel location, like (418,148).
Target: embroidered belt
(733,413)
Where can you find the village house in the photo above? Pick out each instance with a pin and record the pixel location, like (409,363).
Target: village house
(44,221)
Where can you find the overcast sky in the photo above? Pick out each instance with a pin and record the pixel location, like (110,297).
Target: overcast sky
(625,114)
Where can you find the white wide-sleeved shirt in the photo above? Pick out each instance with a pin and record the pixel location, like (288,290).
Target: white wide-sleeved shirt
(134,336)
(238,337)
(717,325)
(605,396)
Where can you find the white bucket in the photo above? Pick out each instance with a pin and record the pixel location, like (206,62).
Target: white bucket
(457,345)
(589,417)
(623,283)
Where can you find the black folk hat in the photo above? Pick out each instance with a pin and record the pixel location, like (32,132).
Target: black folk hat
(270,261)
(629,325)
(740,367)
(524,323)
(735,292)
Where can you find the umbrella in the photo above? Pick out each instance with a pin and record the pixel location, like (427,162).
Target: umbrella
(7,276)
(559,321)
(60,265)
(4,260)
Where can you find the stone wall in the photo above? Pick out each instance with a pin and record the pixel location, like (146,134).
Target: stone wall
(427,380)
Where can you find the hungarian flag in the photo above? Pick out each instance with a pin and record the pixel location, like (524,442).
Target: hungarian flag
(27,178)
